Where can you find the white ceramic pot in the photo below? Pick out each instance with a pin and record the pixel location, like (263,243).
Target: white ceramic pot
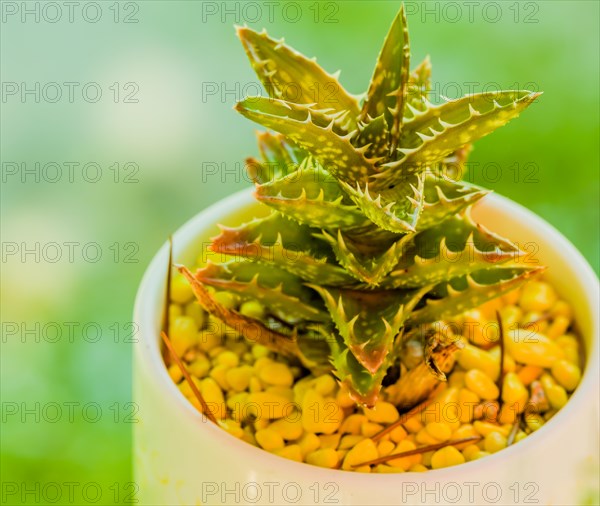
(180,459)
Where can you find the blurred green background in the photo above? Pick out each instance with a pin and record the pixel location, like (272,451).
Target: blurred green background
(169,73)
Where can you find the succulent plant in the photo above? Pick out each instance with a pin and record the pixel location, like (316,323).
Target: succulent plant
(367,238)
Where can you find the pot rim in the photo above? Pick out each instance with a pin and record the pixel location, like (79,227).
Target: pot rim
(147,350)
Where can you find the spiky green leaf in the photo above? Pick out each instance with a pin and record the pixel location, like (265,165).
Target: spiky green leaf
(250,328)
(371,234)
(432,135)
(283,294)
(257,171)
(314,131)
(389,84)
(375,135)
(363,385)
(369,321)
(444,197)
(314,348)
(452,166)
(370,267)
(278,157)
(285,243)
(288,75)
(313,197)
(396,209)
(458,295)
(419,85)
(454,247)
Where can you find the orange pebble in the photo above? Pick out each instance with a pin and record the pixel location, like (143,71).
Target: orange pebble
(529,373)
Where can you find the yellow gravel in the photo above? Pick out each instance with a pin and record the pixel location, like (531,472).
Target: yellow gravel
(272,403)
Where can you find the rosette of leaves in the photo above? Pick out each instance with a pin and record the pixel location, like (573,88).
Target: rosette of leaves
(367,238)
